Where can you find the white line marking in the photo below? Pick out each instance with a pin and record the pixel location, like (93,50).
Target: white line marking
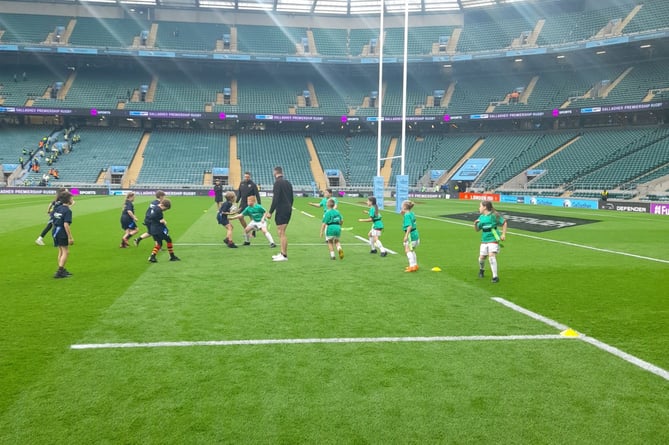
(531,314)
(566,243)
(628,357)
(601,345)
(292,244)
(366,241)
(307,214)
(292,341)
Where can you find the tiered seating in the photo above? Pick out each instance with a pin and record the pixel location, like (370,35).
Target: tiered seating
(331,42)
(592,149)
(99,88)
(14,140)
(634,87)
(268,39)
(473,95)
(434,152)
(182,156)
(355,157)
(360,38)
(420,39)
(579,25)
(260,152)
(513,154)
(106,32)
(29,28)
(99,149)
(554,88)
(330,101)
(494,31)
(183,92)
(631,166)
(36,84)
(189,36)
(653,15)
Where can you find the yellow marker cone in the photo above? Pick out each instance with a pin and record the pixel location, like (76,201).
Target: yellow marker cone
(570,333)
(436,269)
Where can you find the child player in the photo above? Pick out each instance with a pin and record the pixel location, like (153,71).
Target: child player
(488,222)
(411,239)
(327,195)
(257,214)
(331,227)
(62,235)
(158,229)
(225,214)
(49,211)
(154,204)
(128,220)
(377,226)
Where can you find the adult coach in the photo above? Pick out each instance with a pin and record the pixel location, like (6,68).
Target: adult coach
(246,188)
(282,204)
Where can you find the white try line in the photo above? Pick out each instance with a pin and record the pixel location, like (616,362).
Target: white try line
(296,341)
(366,241)
(258,244)
(601,345)
(566,243)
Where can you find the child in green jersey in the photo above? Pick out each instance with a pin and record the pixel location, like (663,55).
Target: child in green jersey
(257,214)
(489,222)
(411,239)
(331,228)
(377,226)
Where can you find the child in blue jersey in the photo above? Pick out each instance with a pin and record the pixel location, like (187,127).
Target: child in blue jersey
(411,239)
(49,225)
(327,195)
(158,229)
(128,220)
(257,214)
(489,222)
(331,228)
(154,204)
(377,226)
(225,214)
(62,235)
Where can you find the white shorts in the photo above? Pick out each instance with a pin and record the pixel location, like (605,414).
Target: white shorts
(257,225)
(414,244)
(331,238)
(375,232)
(488,248)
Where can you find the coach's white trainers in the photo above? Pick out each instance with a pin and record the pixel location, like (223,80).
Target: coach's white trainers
(39,241)
(279,257)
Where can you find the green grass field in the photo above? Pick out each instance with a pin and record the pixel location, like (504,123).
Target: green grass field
(475,370)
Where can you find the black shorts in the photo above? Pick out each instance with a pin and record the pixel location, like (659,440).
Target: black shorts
(61,241)
(282,218)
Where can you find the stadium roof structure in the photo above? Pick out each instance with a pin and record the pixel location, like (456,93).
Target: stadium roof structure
(321,7)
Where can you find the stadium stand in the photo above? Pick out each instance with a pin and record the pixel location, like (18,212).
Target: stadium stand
(29,28)
(189,36)
(260,152)
(269,39)
(112,33)
(590,152)
(181,157)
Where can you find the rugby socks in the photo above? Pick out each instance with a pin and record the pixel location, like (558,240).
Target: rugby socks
(380,246)
(413,261)
(170,248)
(493,265)
(269,237)
(156,249)
(481,263)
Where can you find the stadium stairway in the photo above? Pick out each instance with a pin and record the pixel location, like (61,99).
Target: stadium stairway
(444,178)
(387,168)
(234,165)
(315,164)
(135,166)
